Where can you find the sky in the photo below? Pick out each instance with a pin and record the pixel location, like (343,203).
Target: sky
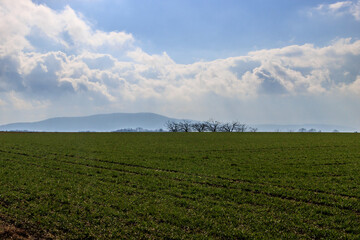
(258,62)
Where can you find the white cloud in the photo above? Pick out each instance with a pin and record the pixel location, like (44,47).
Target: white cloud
(354,87)
(19,103)
(355,11)
(82,72)
(339,5)
(340,8)
(22,19)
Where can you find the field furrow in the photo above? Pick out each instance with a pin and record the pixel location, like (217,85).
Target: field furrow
(179,186)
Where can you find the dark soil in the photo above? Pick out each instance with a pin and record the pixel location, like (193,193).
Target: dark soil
(11,231)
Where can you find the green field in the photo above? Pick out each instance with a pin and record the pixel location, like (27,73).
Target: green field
(181,185)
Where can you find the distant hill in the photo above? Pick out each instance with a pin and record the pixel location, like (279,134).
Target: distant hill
(295,128)
(97,123)
(147,121)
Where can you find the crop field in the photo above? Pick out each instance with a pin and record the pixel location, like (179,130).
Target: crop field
(180,185)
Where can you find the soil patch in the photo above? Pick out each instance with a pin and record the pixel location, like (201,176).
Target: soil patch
(11,231)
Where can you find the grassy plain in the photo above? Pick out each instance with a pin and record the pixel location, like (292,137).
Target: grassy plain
(181,185)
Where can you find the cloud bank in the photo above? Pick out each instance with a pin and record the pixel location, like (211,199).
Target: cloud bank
(56,63)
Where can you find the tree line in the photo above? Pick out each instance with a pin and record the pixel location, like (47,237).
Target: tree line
(208,126)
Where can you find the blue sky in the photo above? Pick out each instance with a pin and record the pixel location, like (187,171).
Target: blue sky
(190,31)
(260,61)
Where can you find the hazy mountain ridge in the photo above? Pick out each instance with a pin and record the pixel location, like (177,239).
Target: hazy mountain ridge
(148,121)
(98,123)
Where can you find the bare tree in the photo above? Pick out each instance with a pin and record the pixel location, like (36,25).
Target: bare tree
(212,125)
(302,130)
(225,127)
(199,126)
(172,126)
(185,126)
(253,129)
(230,127)
(235,125)
(241,127)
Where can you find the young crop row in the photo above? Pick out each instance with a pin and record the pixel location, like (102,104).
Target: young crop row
(165,186)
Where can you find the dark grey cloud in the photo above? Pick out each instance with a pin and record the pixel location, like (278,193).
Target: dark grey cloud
(270,84)
(10,78)
(242,66)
